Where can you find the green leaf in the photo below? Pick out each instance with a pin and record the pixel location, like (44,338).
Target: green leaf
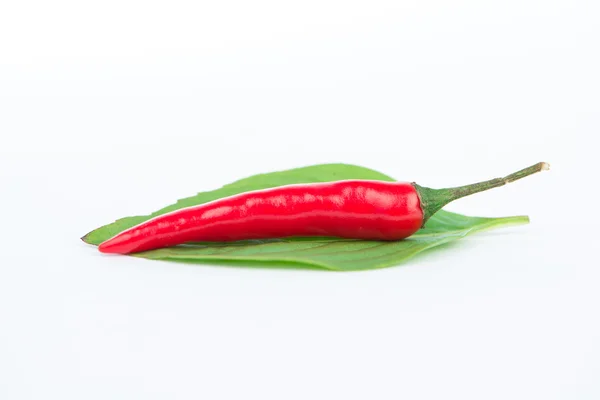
(315,173)
(328,253)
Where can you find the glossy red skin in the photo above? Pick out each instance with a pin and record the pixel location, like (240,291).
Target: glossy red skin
(348,209)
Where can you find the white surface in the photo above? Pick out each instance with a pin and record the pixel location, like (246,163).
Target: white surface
(117,108)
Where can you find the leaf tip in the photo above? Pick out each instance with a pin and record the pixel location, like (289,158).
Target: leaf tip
(85,238)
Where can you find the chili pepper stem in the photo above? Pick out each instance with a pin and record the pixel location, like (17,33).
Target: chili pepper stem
(432,200)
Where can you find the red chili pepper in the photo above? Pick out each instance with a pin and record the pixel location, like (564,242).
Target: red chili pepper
(357,209)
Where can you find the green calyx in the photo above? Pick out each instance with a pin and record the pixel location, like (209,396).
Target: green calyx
(433,200)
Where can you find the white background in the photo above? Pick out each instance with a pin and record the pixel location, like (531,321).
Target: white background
(116,108)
